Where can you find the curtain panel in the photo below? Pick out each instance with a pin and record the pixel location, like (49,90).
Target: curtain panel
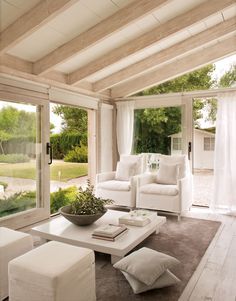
(225,153)
(125,126)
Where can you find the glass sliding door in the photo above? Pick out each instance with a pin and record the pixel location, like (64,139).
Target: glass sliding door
(69,142)
(23,163)
(204,129)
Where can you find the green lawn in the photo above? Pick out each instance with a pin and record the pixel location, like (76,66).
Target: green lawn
(60,170)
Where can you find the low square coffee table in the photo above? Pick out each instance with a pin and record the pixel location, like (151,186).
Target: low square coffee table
(60,229)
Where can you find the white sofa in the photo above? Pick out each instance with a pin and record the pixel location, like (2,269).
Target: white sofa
(174,197)
(120,185)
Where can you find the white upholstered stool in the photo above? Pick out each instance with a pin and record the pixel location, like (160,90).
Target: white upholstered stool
(53,272)
(12,245)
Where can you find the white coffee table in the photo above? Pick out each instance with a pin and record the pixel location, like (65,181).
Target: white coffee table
(62,230)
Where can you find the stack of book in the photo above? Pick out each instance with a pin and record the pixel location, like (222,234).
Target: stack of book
(109,232)
(138,218)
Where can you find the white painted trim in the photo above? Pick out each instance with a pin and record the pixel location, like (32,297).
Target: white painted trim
(106,106)
(23,83)
(191,94)
(157,103)
(66,97)
(42,210)
(57,95)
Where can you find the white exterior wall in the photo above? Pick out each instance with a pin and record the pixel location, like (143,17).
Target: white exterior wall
(202,159)
(106,139)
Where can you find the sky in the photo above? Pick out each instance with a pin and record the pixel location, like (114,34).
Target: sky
(224,65)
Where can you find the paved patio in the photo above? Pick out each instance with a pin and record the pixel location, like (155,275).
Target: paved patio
(202,187)
(18,185)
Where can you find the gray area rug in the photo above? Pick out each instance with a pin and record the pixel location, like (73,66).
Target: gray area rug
(186,240)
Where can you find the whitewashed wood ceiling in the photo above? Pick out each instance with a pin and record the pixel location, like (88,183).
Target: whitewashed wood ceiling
(113,48)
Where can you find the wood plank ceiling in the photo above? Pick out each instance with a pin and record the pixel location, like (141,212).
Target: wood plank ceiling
(113,48)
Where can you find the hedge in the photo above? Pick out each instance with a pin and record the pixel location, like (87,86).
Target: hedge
(63,143)
(20,145)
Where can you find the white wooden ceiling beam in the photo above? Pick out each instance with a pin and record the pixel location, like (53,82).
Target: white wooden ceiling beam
(14,63)
(169,71)
(32,20)
(169,28)
(125,16)
(165,55)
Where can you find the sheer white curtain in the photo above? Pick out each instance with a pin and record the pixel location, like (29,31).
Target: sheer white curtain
(225,153)
(125,126)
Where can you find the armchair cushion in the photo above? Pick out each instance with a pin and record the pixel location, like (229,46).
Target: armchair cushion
(137,159)
(114,185)
(167,174)
(159,189)
(125,170)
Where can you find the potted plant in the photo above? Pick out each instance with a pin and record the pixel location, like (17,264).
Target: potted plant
(86,208)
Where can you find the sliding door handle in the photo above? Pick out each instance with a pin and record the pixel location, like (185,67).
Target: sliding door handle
(49,152)
(189,149)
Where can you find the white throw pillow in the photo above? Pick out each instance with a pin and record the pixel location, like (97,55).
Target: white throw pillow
(125,170)
(146,265)
(167,174)
(180,160)
(166,279)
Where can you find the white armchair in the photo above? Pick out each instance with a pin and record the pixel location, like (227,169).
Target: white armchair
(170,189)
(120,185)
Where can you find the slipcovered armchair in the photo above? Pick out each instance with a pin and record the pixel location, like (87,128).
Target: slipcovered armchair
(169,189)
(120,185)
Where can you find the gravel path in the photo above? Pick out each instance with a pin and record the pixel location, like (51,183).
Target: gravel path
(203,187)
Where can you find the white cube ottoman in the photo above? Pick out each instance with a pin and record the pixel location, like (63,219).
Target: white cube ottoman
(12,244)
(53,272)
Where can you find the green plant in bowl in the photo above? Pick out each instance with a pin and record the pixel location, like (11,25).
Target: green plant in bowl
(86,208)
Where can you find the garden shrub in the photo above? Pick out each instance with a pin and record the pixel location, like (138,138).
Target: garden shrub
(21,201)
(62,197)
(4,184)
(17,202)
(64,142)
(78,154)
(14,158)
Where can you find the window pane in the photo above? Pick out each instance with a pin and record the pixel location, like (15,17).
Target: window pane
(20,159)
(69,169)
(154,130)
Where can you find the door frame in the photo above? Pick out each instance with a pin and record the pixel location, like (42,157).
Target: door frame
(171,100)
(42,210)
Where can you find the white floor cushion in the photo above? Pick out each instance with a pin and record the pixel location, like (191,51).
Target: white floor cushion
(146,265)
(166,279)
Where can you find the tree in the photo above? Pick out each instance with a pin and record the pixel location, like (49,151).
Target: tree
(17,122)
(200,79)
(229,78)
(154,126)
(73,119)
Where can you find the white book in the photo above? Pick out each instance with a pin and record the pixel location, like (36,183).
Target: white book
(109,230)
